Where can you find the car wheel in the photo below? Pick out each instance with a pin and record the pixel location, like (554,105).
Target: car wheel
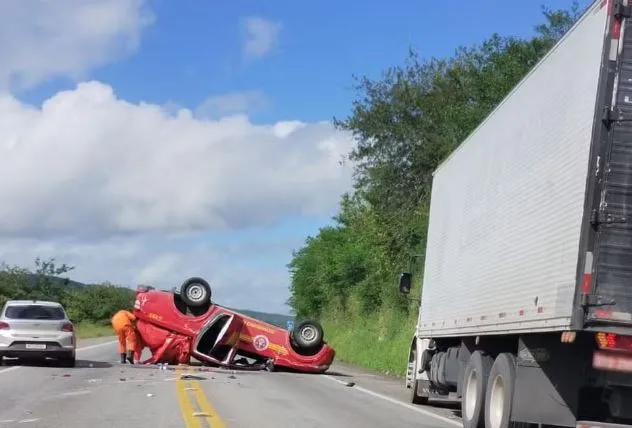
(69,361)
(195,292)
(308,335)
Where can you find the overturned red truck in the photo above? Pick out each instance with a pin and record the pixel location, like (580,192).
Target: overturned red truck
(180,324)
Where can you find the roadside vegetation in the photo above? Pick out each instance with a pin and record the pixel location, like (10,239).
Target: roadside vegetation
(406,122)
(90,305)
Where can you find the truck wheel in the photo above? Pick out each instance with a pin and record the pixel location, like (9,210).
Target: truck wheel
(499,395)
(308,335)
(195,292)
(474,386)
(413,367)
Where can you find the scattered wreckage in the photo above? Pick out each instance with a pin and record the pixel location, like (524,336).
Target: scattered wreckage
(183,323)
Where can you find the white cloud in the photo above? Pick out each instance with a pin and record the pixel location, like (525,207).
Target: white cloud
(261,36)
(126,192)
(89,164)
(40,39)
(60,164)
(237,102)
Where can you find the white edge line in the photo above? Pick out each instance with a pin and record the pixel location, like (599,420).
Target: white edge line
(85,348)
(400,403)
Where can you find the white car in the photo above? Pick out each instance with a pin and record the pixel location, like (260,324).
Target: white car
(36,329)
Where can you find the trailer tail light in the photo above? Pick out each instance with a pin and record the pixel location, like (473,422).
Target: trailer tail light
(4,326)
(614,342)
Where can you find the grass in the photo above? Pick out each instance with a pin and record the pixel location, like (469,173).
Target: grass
(89,330)
(379,342)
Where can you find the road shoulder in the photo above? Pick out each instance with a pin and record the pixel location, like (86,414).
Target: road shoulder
(389,388)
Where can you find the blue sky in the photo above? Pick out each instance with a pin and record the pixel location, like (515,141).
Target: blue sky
(193,55)
(192,52)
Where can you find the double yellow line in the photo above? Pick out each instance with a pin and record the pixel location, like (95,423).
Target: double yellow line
(197,410)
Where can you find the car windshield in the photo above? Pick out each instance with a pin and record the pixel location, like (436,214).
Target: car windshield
(34,312)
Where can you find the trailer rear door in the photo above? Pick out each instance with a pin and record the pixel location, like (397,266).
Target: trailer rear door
(607,294)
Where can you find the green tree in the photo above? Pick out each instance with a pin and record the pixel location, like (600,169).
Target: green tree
(94,303)
(406,123)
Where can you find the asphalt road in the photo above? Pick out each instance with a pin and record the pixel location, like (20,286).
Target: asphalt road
(101,393)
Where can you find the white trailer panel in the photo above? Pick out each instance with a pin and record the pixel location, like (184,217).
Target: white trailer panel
(507,205)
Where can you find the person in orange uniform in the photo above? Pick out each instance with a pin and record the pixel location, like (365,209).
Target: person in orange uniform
(123,323)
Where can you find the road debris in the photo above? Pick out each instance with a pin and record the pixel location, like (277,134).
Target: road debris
(150,394)
(191,377)
(80,392)
(349,384)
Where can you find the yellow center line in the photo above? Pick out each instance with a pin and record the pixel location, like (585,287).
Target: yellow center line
(192,417)
(186,407)
(205,406)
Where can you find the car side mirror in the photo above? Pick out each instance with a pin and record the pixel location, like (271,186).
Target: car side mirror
(72,321)
(405,281)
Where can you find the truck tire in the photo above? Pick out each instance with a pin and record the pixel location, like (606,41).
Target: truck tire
(195,292)
(499,395)
(475,381)
(413,367)
(308,335)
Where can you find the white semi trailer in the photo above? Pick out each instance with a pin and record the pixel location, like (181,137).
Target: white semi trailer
(526,306)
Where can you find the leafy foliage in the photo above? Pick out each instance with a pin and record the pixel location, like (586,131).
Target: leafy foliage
(93,303)
(405,123)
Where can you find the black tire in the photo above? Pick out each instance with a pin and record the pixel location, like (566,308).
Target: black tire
(474,390)
(308,335)
(69,361)
(195,292)
(503,372)
(413,395)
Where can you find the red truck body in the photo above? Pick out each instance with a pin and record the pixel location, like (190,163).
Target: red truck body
(218,336)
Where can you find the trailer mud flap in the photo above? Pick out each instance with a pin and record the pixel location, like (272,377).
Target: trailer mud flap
(552,368)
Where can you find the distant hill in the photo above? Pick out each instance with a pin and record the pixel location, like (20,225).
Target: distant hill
(69,282)
(274,319)
(31,279)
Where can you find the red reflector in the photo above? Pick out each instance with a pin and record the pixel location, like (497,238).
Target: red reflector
(67,327)
(602,314)
(586,285)
(4,326)
(616,29)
